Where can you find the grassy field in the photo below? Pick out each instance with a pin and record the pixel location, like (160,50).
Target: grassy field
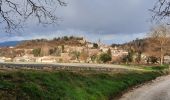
(40,85)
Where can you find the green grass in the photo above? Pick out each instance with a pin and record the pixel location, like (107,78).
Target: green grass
(157,68)
(150,67)
(36,85)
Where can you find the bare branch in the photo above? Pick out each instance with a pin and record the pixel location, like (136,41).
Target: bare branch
(161,10)
(15,12)
(159,39)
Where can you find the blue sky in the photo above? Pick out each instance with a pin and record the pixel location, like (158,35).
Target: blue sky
(112,21)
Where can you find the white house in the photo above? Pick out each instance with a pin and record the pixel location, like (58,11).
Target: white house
(46,59)
(104,48)
(118,53)
(2,59)
(25,58)
(18,59)
(167,59)
(90,45)
(5,59)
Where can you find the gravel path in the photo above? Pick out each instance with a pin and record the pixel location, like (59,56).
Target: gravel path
(159,89)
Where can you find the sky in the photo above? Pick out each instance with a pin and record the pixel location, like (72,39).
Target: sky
(111,21)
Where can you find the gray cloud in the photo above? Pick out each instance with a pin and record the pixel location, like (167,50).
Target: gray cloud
(109,17)
(97,18)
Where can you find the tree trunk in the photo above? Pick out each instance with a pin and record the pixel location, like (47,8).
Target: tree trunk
(161,61)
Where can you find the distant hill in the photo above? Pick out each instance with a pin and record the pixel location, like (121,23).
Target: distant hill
(137,45)
(9,43)
(39,43)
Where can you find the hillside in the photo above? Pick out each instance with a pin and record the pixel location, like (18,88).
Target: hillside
(39,43)
(137,45)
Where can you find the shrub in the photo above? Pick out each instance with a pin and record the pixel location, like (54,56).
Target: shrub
(95,45)
(105,57)
(36,52)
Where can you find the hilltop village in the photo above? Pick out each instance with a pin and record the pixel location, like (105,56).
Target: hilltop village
(72,50)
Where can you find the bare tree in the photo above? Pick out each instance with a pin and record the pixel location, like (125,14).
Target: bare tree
(15,12)
(45,49)
(161,10)
(159,40)
(84,55)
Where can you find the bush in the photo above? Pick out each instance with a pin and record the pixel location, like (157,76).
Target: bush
(36,52)
(152,60)
(105,57)
(95,45)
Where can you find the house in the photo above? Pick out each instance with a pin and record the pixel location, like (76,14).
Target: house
(8,59)
(2,59)
(90,45)
(65,57)
(11,47)
(104,48)
(118,53)
(67,48)
(29,58)
(25,58)
(73,48)
(46,59)
(82,41)
(93,52)
(28,50)
(5,59)
(18,59)
(167,59)
(79,49)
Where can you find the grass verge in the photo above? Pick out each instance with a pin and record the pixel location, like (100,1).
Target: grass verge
(39,85)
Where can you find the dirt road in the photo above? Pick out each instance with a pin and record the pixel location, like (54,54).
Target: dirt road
(159,89)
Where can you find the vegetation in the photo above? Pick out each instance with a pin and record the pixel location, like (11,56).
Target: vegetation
(84,55)
(129,58)
(62,48)
(160,11)
(39,43)
(137,45)
(76,55)
(159,41)
(109,52)
(135,50)
(155,47)
(95,45)
(35,8)
(105,57)
(55,51)
(157,68)
(36,52)
(138,58)
(94,58)
(34,85)
(152,59)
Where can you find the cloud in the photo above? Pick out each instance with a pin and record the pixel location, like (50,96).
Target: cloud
(109,17)
(95,19)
